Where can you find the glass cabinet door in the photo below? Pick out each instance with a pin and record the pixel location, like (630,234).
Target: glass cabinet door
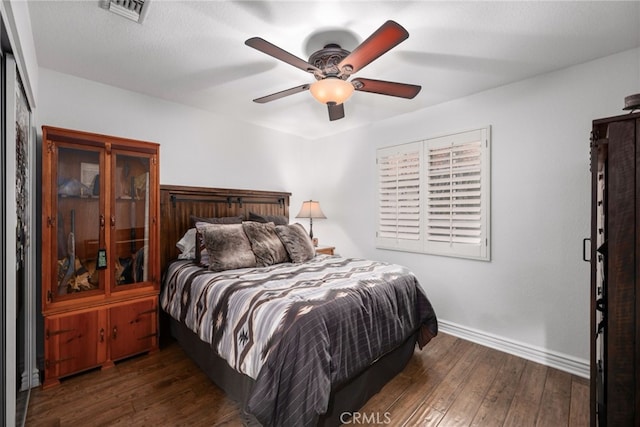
(131,228)
(79,237)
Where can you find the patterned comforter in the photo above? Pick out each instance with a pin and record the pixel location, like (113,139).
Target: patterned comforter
(298,329)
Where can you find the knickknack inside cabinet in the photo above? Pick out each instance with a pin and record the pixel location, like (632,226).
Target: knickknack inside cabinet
(100,249)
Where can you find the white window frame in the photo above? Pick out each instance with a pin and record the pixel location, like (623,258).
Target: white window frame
(456,225)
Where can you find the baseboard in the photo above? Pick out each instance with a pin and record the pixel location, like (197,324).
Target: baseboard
(563,362)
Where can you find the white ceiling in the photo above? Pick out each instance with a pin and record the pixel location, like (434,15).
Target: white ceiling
(193,52)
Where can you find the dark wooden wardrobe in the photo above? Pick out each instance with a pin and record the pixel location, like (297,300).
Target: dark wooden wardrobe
(615,252)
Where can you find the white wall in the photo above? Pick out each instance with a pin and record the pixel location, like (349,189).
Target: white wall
(197,148)
(535,291)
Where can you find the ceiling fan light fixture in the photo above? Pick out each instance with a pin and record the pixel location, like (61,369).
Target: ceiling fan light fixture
(331,89)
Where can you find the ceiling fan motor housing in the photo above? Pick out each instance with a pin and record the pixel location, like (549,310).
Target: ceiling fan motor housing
(327,60)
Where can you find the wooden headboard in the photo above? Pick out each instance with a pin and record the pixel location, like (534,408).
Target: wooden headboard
(178,203)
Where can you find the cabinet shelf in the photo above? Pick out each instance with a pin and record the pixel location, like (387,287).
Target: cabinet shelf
(66,196)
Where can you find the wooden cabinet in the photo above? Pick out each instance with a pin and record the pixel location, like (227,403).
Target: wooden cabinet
(615,268)
(100,249)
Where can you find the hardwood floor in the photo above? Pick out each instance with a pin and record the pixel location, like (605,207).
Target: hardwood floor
(451,382)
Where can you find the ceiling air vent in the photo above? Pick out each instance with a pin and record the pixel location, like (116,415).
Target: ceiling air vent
(135,10)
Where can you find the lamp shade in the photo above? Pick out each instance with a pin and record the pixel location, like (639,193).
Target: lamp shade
(331,89)
(310,209)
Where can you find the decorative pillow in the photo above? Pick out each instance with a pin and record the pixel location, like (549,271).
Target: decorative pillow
(297,242)
(266,245)
(276,219)
(227,246)
(201,256)
(218,220)
(187,245)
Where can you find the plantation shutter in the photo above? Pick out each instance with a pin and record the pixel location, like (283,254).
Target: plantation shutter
(456,186)
(399,197)
(434,196)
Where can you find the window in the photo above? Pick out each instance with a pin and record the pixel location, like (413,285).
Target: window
(399,171)
(433,196)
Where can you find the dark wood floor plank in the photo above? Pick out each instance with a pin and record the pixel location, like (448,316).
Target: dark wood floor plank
(495,405)
(103,416)
(428,383)
(526,401)
(556,400)
(451,382)
(579,407)
(448,392)
(463,409)
(428,417)
(451,386)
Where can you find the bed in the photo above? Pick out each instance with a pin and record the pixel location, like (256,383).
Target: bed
(295,340)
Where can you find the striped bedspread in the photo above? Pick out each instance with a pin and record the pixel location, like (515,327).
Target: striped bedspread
(296,329)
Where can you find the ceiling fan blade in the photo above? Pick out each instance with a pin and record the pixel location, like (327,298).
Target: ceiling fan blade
(336,111)
(402,90)
(282,94)
(390,34)
(281,54)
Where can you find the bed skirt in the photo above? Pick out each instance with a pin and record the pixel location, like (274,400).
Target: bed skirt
(345,399)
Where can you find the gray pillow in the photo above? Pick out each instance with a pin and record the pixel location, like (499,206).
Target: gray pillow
(276,219)
(201,256)
(217,220)
(228,247)
(297,242)
(265,243)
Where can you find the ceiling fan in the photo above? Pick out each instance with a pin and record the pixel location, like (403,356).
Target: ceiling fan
(333,65)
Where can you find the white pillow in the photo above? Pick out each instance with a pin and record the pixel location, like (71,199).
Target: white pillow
(187,245)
